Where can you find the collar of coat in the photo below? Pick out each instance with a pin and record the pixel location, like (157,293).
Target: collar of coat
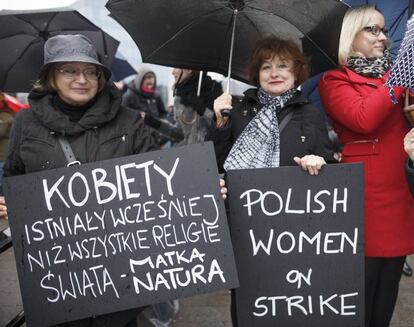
(299,98)
(361,79)
(104,110)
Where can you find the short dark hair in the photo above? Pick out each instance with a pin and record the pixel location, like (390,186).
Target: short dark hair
(148,75)
(270,46)
(47,80)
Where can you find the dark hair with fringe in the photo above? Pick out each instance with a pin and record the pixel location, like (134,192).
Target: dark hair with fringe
(271,46)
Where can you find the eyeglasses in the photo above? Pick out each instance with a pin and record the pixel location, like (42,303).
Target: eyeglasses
(375,30)
(90,74)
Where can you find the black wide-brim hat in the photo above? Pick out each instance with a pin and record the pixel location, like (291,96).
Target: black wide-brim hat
(70,48)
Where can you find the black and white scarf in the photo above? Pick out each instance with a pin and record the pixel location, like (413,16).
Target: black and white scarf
(258,146)
(372,67)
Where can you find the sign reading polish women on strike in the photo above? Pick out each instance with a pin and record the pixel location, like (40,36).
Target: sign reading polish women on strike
(119,234)
(298,243)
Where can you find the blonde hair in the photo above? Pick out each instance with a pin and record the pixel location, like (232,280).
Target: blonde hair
(354,21)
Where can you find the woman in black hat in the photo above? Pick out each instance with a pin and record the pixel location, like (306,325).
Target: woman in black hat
(74,102)
(72,98)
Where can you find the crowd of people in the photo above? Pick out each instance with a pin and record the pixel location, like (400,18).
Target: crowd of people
(274,124)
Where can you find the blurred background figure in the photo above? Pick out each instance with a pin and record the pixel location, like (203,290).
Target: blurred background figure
(141,95)
(9,106)
(192,118)
(192,113)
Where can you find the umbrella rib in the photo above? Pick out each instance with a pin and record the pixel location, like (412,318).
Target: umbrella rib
(183,30)
(23,33)
(251,22)
(273,14)
(29,23)
(48,23)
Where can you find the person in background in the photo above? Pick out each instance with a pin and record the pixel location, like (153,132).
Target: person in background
(9,106)
(371,130)
(193,113)
(141,95)
(192,116)
(274,124)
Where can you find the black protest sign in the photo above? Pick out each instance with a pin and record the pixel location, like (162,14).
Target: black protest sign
(298,242)
(119,234)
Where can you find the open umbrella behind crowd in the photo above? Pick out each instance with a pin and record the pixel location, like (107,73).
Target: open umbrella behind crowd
(22,37)
(198,34)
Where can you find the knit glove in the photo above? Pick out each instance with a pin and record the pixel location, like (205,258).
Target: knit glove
(195,102)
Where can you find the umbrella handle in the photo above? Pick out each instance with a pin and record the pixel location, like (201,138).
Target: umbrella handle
(235,12)
(200,79)
(226,112)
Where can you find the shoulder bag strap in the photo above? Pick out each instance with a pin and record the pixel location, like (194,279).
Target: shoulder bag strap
(67,150)
(285,121)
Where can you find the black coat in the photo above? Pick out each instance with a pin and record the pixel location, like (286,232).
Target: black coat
(409,173)
(148,103)
(305,133)
(105,131)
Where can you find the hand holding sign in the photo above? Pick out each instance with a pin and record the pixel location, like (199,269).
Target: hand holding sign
(298,244)
(120,234)
(310,163)
(3,208)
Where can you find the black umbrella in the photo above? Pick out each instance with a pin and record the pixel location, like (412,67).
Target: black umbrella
(121,68)
(22,37)
(198,34)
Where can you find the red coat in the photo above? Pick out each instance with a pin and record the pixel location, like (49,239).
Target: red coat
(371,130)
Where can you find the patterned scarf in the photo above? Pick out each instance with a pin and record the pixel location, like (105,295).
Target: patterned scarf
(372,67)
(258,146)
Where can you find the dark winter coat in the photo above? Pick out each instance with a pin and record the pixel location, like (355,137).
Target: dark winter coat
(148,103)
(409,173)
(305,133)
(105,131)
(193,115)
(134,98)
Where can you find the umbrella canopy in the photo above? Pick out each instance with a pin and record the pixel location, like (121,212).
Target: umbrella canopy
(121,68)
(198,34)
(22,37)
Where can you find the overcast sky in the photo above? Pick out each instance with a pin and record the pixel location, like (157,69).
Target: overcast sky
(33,4)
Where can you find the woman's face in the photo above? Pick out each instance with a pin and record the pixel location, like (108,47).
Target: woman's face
(276,75)
(148,83)
(176,72)
(76,82)
(366,42)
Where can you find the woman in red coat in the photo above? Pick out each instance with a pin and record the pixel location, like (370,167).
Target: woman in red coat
(371,129)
